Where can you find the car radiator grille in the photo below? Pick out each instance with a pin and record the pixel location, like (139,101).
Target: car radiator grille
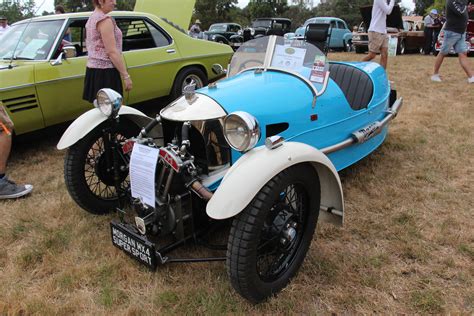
(23,103)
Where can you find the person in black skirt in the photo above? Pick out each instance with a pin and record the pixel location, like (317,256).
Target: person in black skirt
(105,65)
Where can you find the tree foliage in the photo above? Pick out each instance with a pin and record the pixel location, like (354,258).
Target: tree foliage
(421,6)
(213,11)
(86,5)
(17,11)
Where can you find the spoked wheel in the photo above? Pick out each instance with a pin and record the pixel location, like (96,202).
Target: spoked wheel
(269,239)
(87,173)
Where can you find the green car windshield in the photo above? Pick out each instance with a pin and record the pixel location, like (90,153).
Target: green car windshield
(30,40)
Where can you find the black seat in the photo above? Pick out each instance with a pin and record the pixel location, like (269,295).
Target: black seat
(319,35)
(354,83)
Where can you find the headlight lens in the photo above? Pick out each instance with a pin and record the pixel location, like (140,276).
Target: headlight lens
(108,101)
(241,131)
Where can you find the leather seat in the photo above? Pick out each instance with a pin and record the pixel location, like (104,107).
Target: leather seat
(354,83)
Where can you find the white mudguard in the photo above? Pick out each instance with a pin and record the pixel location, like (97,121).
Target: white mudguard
(254,169)
(91,119)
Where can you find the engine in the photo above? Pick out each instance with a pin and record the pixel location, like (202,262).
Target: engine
(194,151)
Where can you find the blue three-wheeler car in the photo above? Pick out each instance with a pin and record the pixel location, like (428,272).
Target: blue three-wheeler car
(261,148)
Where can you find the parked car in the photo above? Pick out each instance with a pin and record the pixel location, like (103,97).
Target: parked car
(469,39)
(268,26)
(408,30)
(341,35)
(42,80)
(225,33)
(261,148)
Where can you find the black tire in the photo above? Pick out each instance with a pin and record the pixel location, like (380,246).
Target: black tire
(90,185)
(270,223)
(184,77)
(359,50)
(347,46)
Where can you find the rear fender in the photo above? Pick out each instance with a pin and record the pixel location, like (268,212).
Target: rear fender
(258,166)
(85,123)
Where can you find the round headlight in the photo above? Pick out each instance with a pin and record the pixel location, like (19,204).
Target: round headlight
(108,101)
(241,131)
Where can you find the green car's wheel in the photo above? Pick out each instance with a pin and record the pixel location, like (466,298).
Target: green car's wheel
(269,239)
(88,178)
(187,76)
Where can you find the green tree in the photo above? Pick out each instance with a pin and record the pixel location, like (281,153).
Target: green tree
(18,10)
(213,11)
(86,5)
(267,8)
(421,6)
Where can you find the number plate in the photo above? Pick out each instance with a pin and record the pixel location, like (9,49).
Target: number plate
(134,245)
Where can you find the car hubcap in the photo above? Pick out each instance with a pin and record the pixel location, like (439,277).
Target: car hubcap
(192,79)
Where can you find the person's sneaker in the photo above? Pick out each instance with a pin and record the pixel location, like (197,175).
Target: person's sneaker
(436,78)
(470,80)
(11,190)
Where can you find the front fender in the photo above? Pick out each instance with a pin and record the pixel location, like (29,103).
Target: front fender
(91,119)
(347,37)
(258,166)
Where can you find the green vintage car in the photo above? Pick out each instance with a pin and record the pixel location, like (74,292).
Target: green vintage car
(41,75)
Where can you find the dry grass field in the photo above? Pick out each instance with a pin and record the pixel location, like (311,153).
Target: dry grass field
(407,245)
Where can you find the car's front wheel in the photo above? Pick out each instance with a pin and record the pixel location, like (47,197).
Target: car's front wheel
(188,76)
(88,173)
(270,238)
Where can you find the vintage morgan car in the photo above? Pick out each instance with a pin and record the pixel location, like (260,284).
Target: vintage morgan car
(260,149)
(42,76)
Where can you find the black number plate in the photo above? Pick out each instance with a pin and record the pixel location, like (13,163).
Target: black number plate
(134,245)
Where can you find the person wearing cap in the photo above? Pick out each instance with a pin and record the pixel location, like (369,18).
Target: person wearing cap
(3,25)
(457,17)
(429,29)
(195,29)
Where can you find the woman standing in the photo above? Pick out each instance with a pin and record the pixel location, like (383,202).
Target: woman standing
(105,65)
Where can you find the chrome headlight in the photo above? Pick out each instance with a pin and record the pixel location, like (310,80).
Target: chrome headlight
(241,131)
(108,101)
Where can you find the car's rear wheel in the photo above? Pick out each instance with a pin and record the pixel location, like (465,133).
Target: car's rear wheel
(188,76)
(269,239)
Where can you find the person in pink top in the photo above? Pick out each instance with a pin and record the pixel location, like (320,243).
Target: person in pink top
(105,65)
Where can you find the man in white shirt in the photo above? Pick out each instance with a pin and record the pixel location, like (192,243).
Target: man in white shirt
(378,39)
(3,25)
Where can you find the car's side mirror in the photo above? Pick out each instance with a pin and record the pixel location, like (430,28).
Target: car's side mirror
(218,69)
(69,51)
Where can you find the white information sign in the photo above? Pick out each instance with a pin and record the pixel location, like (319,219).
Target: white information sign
(288,57)
(142,173)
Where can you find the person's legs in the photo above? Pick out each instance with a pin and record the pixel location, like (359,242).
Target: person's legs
(428,40)
(369,56)
(8,188)
(5,146)
(464,61)
(438,61)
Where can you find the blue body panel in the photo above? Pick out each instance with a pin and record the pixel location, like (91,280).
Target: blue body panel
(276,97)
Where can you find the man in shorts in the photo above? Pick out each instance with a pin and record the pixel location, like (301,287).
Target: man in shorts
(8,188)
(378,39)
(457,15)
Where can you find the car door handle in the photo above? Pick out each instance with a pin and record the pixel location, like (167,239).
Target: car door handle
(171,51)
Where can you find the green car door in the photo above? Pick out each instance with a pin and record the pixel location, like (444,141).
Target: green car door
(60,81)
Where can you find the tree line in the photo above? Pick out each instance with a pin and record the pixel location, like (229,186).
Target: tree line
(214,11)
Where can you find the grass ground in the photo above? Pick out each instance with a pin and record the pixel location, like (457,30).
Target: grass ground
(407,245)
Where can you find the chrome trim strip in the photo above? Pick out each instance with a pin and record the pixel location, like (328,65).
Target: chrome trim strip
(174,60)
(17,87)
(270,52)
(391,114)
(61,79)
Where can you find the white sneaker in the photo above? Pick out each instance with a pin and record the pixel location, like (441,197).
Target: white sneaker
(436,78)
(471,80)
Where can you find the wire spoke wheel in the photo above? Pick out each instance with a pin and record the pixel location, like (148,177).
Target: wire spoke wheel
(270,237)
(89,172)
